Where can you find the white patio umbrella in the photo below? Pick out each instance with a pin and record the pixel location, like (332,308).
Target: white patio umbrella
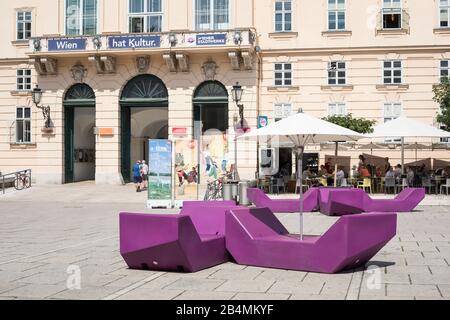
(404,127)
(297,131)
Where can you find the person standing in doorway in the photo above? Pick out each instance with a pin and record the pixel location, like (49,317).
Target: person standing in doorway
(144,174)
(137,175)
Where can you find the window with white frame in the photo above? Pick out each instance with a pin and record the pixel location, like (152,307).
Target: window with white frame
(23,79)
(212,14)
(23,125)
(281,111)
(337,109)
(23,25)
(392,72)
(81,17)
(391,112)
(145,16)
(283,74)
(392,14)
(336,15)
(283,16)
(444,69)
(444,13)
(337,73)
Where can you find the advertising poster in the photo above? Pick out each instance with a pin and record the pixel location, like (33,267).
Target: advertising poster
(160,173)
(186,170)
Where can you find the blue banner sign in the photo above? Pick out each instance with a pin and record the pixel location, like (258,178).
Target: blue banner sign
(211,39)
(66,44)
(134,42)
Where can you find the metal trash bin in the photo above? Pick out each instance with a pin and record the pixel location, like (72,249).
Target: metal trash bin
(227,191)
(243,199)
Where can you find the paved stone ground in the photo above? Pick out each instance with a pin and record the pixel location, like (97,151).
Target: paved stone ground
(45,230)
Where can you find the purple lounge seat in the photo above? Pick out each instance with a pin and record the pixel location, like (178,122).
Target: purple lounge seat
(256,237)
(350,201)
(261,200)
(187,242)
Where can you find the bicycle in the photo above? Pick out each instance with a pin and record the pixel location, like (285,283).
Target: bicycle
(214,190)
(22,181)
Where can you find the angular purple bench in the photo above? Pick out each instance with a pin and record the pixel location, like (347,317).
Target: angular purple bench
(187,242)
(256,237)
(261,200)
(352,201)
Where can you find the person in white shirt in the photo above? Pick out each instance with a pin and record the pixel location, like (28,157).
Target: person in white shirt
(340,176)
(390,173)
(144,175)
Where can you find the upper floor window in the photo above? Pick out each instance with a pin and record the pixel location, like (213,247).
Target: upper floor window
(23,79)
(145,16)
(391,112)
(444,69)
(337,73)
(337,109)
(392,72)
(392,14)
(283,74)
(336,15)
(444,13)
(283,16)
(23,25)
(23,125)
(281,111)
(81,17)
(212,14)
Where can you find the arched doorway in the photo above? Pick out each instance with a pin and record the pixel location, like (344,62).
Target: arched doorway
(144,115)
(210,106)
(79,138)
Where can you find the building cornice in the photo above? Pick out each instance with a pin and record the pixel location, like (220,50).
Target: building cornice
(333,50)
(13,60)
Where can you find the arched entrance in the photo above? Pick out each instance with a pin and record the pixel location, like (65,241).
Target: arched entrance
(210,106)
(79,138)
(144,115)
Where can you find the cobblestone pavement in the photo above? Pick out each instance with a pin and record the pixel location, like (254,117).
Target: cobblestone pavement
(46,230)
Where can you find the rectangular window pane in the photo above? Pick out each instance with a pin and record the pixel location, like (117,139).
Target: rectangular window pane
(19,113)
(73,12)
(89,17)
(136,6)
(19,131)
(27,113)
(341,20)
(154,23)
(202,14)
(136,24)
(154,6)
(221,14)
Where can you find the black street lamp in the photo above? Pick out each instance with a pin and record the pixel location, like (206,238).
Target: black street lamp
(237,92)
(37,97)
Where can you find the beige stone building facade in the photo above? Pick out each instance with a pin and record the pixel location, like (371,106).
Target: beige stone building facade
(116,73)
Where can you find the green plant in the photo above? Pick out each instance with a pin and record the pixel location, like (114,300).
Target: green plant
(442,96)
(359,125)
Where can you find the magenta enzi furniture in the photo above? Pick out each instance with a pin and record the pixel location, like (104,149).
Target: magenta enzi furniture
(261,200)
(256,237)
(187,242)
(335,201)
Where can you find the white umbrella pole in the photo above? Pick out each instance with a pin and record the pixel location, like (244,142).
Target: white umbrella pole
(403,155)
(335,164)
(300,174)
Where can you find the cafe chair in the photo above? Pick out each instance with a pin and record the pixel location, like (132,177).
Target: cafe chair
(446,185)
(365,184)
(277,184)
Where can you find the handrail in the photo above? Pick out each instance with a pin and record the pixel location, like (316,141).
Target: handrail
(15,175)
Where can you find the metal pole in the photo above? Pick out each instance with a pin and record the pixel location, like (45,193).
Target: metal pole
(403,155)
(3,185)
(335,163)
(300,175)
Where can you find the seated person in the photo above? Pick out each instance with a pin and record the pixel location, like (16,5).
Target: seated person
(323,171)
(307,173)
(364,172)
(390,173)
(340,176)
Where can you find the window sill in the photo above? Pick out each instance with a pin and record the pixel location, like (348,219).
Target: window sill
(392,32)
(19,93)
(393,87)
(337,34)
(21,43)
(283,35)
(283,88)
(346,87)
(22,146)
(441,31)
